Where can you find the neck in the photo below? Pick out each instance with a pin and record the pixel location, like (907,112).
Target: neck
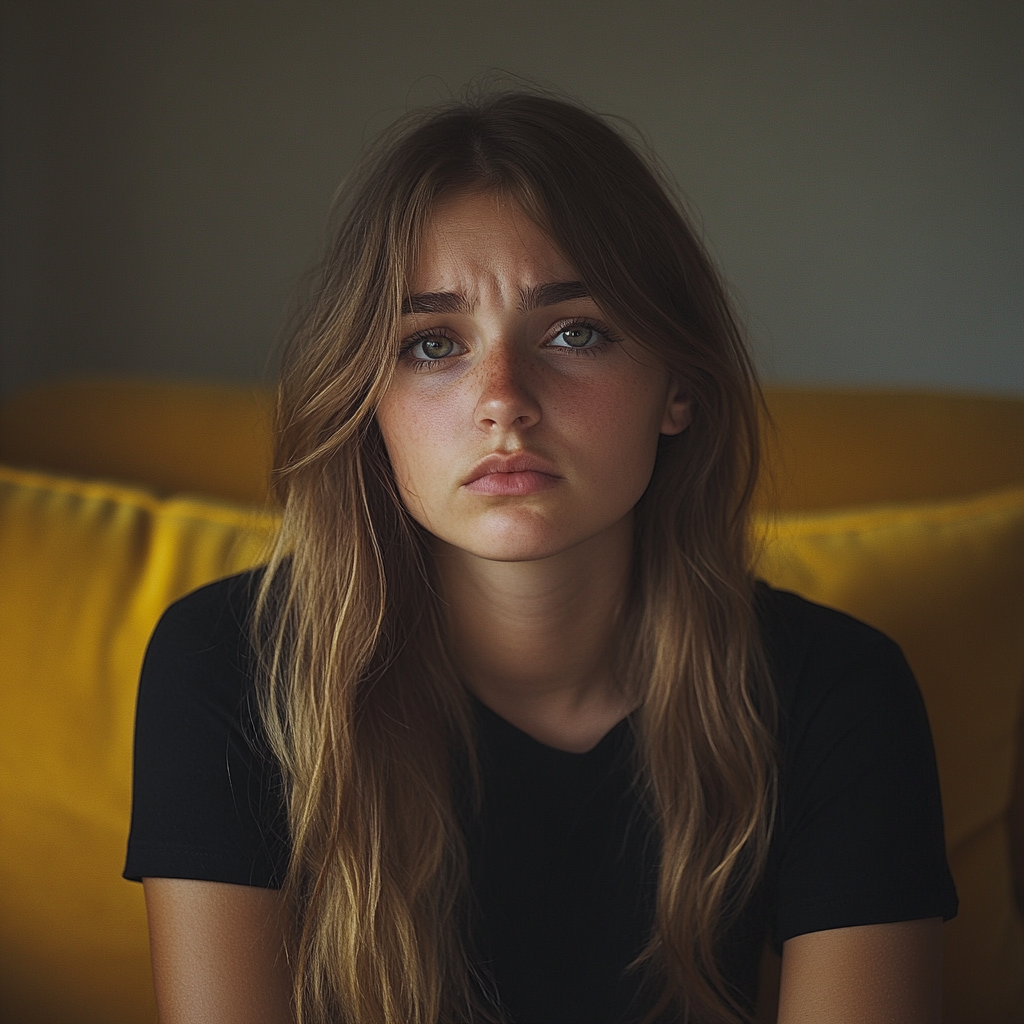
(534,640)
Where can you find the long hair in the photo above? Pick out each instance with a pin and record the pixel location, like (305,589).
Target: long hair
(361,701)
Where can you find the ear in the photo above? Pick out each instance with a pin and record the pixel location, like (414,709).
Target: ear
(678,409)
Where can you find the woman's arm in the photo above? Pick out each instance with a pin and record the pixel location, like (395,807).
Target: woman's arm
(218,952)
(871,974)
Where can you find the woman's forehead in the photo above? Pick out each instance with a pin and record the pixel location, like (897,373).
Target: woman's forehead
(482,243)
(533,297)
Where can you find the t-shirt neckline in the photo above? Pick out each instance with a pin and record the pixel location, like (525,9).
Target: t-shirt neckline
(493,723)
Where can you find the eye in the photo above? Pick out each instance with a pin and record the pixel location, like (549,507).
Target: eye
(434,348)
(578,336)
(431,348)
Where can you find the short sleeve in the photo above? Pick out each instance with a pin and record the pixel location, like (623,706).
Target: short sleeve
(206,795)
(860,833)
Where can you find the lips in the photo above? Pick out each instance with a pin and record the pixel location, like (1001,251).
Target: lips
(515,474)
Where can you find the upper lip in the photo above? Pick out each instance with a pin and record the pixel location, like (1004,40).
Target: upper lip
(515,462)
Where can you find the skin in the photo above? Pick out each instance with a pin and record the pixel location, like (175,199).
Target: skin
(532,580)
(217,952)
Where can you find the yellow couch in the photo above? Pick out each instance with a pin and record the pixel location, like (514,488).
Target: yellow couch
(906,510)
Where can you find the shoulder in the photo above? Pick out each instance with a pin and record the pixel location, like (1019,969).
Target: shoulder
(859,837)
(200,654)
(214,615)
(207,792)
(799,633)
(826,664)
(852,724)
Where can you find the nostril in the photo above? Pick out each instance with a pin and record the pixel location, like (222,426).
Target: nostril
(508,407)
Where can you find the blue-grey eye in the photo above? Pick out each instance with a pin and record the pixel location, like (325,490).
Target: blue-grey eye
(435,347)
(579,336)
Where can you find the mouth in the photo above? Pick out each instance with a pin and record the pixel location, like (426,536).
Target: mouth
(516,474)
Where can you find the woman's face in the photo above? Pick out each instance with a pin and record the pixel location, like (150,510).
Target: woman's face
(519,423)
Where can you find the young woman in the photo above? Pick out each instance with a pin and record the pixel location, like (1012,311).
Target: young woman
(506,730)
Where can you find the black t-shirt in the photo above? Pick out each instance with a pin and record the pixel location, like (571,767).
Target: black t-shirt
(562,861)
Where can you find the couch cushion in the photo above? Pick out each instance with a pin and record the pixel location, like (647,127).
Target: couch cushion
(87,570)
(946,581)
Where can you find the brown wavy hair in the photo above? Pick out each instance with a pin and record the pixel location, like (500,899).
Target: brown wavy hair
(361,701)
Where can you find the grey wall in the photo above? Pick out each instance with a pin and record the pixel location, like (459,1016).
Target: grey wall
(857,166)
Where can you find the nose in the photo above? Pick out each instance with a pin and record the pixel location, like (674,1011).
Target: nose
(506,401)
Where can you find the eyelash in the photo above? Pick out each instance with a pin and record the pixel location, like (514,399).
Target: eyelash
(426,365)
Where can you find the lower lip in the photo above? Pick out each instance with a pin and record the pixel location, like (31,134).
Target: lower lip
(528,482)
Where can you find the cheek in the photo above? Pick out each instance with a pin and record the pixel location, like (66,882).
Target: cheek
(627,461)
(417,434)
(616,431)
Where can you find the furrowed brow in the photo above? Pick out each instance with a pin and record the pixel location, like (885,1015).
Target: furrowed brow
(552,294)
(435,302)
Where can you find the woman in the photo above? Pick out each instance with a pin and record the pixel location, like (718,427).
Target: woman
(506,730)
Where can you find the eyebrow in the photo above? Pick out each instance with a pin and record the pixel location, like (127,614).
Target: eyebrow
(436,302)
(529,298)
(552,294)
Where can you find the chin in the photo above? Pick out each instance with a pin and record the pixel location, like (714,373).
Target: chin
(516,553)
(514,541)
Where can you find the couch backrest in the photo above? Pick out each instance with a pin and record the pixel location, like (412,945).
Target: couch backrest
(87,569)
(171,438)
(836,448)
(829,449)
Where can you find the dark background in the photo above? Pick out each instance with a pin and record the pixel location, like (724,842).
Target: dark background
(167,167)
